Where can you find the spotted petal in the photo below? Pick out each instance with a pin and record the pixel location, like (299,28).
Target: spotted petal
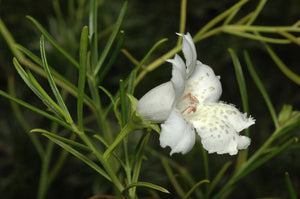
(218,125)
(177,134)
(204,84)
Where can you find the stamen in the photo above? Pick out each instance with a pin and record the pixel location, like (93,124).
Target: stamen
(191,108)
(191,97)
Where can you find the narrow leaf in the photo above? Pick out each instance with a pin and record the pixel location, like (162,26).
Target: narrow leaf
(64,140)
(36,110)
(124,110)
(242,156)
(229,30)
(79,156)
(36,88)
(114,104)
(93,32)
(112,59)
(219,18)
(267,157)
(58,78)
(172,178)
(154,47)
(139,158)
(146,184)
(218,177)
(261,88)
(53,41)
(240,79)
(82,74)
(21,117)
(284,69)
(43,95)
(194,188)
(111,38)
(290,187)
(51,81)
(257,11)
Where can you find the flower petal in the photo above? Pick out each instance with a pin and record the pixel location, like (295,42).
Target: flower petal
(189,52)
(177,134)
(218,125)
(178,75)
(204,84)
(157,103)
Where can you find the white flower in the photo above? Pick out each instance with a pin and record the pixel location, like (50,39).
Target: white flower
(189,102)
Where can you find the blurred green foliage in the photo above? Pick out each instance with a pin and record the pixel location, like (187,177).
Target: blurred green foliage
(145,23)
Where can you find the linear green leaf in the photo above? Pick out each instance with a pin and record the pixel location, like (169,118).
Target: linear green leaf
(242,156)
(267,157)
(112,59)
(146,184)
(124,110)
(137,68)
(194,188)
(284,69)
(21,117)
(132,78)
(256,12)
(51,81)
(53,41)
(254,37)
(130,87)
(218,177)
(45,97)
(111,38)
(10,40)
(261,88)
(114,104)
(290,187)
(240,79)
(36,88)
(79,156)
(59,79)
(172,178)
(139,158)
(36,110)
(82,75)
(93,32)
(64,140)
(218,18)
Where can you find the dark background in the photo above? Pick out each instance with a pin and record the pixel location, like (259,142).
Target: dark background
(145,23)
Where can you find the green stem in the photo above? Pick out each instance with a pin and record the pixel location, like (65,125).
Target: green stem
(101,158)
(219,18)
(128,128)
(172,178)
(98,109)
(43,183)
(267,29)
(182,20)
(138,163)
